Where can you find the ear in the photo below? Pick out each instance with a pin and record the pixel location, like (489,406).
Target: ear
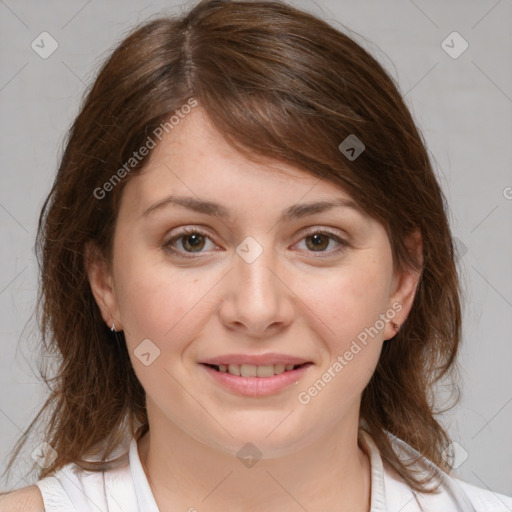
(404,285)
(100,279)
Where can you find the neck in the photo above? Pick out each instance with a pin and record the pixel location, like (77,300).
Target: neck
(333,474)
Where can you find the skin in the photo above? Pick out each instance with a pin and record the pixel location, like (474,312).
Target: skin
(293,299)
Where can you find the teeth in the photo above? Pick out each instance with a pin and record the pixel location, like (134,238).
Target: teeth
(265,371)
(234,369)
(250,370)
(279,368)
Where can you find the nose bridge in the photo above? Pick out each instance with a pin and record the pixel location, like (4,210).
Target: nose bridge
(253,270)
(259,296)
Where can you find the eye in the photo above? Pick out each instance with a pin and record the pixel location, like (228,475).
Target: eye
(319,240)
(193,241)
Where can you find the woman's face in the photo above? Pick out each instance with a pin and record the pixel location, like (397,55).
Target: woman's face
(274,282)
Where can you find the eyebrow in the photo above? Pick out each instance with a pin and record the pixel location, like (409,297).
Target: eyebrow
(295,211)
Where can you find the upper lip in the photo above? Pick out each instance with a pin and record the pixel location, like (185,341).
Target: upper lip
(256,360)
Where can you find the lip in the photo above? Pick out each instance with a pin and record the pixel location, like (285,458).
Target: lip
(256,386)
(256,360)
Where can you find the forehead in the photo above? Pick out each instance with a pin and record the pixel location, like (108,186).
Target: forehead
(194,159)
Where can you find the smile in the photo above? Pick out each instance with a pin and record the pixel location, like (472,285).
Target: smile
(255,380)
(250,370)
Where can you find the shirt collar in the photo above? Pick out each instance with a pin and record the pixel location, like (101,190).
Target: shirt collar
(399,494)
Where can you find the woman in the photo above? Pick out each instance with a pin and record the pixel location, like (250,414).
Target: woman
(248,276)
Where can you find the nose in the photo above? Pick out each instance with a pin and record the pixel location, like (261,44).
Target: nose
(257,300)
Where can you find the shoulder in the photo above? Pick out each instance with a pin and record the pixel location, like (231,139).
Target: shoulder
(485,499)
(453,493)
(27,499)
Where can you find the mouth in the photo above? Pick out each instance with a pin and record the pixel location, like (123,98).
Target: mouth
(260,371)
(253,380)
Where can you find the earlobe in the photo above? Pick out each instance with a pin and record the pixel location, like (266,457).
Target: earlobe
(101,282)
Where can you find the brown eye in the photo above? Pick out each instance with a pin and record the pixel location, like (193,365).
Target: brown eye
(188,241)
(193,242)
(319,241)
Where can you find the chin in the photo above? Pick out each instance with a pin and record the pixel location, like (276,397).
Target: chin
(274,439)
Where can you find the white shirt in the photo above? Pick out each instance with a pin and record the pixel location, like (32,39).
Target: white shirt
(126,488)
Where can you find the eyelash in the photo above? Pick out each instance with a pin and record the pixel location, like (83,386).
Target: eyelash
(187,231)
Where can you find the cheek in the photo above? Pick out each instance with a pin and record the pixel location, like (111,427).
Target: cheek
(347,301)
(166,306)
(347,310)
(161,302)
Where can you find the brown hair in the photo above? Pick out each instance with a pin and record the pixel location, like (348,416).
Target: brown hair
(276,82)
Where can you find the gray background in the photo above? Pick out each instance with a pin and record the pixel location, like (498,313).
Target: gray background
(462,105)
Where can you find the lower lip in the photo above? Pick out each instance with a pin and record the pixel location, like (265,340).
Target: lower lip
(257,386)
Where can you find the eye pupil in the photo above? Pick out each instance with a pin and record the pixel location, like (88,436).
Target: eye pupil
(196,241)
(319,240)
